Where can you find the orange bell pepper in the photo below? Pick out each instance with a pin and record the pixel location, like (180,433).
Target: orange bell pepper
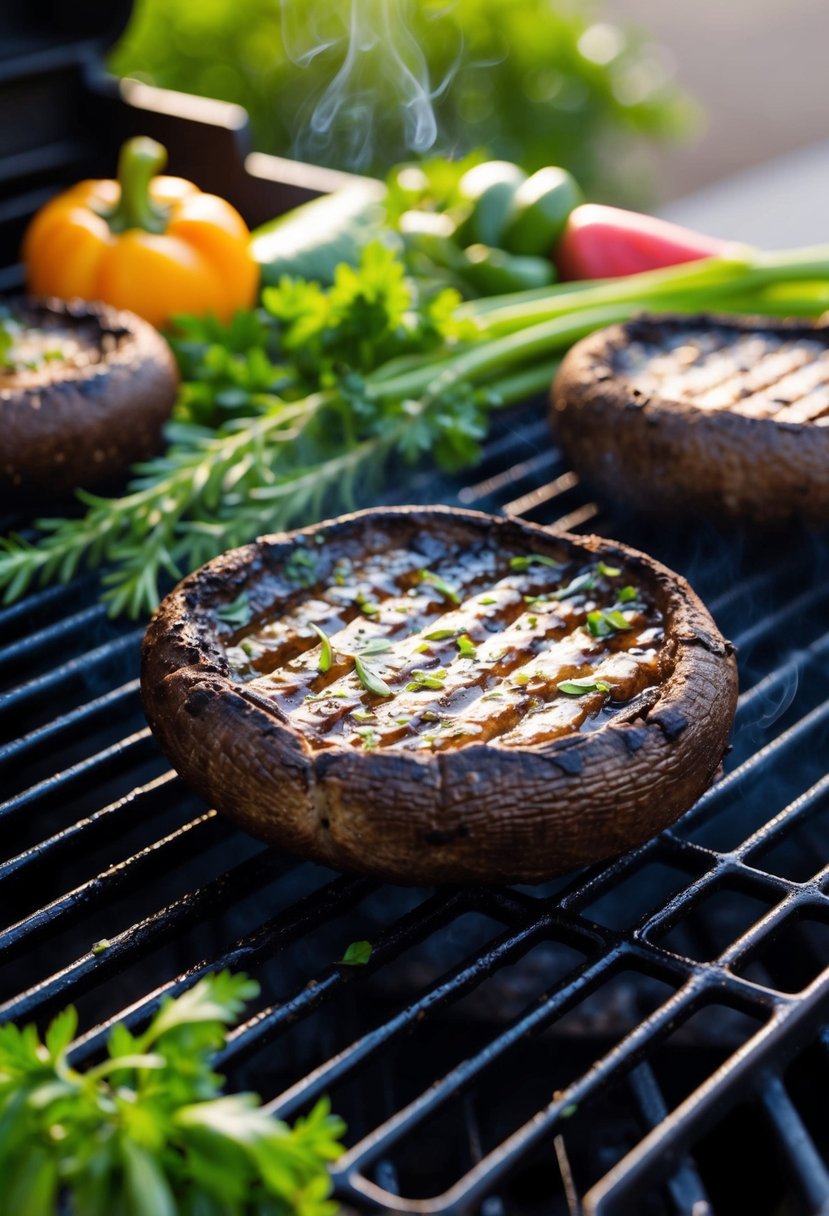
(155,245)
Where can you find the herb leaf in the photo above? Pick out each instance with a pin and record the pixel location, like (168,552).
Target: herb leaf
(440,635)
(440,585)
(370,680)
(601,624)
(182,1145)
(237,613)
(357,954)
(466,647)
(524,561)
(375,646)
(608,571)
(578,688)
(326,652)
(425,679)
(582,582)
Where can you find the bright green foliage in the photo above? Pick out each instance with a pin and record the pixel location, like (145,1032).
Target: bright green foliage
(148,1132)
(541,82)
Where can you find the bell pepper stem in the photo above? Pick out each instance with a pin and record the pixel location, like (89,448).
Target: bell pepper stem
(138,162)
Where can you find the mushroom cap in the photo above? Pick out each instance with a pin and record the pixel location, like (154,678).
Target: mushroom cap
(674,444)
(83,421)
(475,813)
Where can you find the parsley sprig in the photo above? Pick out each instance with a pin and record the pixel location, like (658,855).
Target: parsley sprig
(148,1131)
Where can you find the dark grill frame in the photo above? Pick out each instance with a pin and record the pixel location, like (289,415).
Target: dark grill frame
(84,775)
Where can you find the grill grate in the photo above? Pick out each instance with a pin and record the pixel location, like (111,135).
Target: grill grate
(583,1047)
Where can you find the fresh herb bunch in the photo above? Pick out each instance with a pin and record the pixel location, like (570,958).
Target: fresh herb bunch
(302,407)
(148,1132)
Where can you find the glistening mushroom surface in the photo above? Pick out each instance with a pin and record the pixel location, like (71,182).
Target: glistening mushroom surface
(481,645)
(294,684)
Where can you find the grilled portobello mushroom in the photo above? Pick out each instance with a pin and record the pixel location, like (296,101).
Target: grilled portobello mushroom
(435,695)
(721,415)
(84,391)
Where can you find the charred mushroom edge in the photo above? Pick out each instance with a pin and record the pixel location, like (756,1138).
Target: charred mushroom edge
(86,427)
(671,455)
(478,813)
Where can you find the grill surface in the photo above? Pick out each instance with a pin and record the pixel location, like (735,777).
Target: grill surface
(589,1046)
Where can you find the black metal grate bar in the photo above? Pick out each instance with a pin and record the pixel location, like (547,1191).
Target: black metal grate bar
(122,843)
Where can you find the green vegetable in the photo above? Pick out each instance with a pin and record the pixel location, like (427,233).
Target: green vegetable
(493,272)
(357,954)
(326,653)
(608,571)
(148,1132)
(627,594)
(578,688)
(540,210)
(312,240)
(374,374)
(370,680)
(488,191)
(375,646)
(440,635)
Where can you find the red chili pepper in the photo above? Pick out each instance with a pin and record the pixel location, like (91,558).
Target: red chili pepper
(606,242)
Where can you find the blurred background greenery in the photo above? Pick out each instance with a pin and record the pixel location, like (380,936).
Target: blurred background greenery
(538,82)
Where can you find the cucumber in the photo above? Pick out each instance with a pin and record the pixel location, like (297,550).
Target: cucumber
(310,241)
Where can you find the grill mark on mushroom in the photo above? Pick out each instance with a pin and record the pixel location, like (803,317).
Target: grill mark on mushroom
(484,669)
(759,375)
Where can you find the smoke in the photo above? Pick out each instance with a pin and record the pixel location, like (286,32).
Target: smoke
(382,81)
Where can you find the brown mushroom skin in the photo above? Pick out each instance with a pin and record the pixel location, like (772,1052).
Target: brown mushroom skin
(673,457)
(60,430)
(478,813)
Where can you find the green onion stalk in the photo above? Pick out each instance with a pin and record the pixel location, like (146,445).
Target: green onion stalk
(217,488)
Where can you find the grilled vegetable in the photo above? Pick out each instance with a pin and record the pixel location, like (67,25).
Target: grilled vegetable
(717,415)
(600,242)
(473,727)
(84,392)
(155,245)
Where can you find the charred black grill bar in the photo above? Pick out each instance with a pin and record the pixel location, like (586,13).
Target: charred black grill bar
(573,1048)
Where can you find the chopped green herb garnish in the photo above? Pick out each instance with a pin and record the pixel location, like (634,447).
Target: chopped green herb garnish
(403,721)
(237,612)
(532,621)
(440,635)
(425,679)
(578,688)
(608,571)
(301,567)
(522,677)
(532,559)
(423,648)
(375,646)
(362,715)
(440,585)
(369,607)
(602,624)
(102,946)
(342,571)
(247,647)
(492,696)
(368,737)
(466,647)
(627,594)
(430,716)
(487,599)
(326,653)
(370,680)
(582,582)
(536,599)
(357,954)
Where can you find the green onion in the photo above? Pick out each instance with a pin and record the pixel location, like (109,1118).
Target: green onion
(608,571)
(602,624)
(532,559)
(440,635)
